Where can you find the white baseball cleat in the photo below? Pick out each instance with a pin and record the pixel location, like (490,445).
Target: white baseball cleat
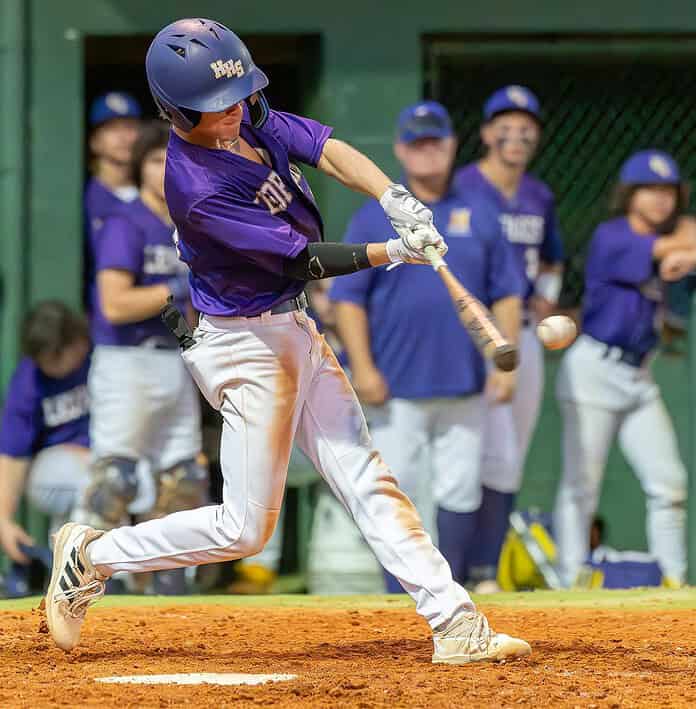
(468,638)
(75,583)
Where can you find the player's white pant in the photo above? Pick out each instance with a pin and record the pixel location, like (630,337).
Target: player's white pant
(143,406)
(508,428)
(274,377)
(434,448)
(600,397)
(57,478)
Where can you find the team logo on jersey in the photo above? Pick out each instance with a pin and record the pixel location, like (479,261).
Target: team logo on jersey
(230,68)
(274,194)
(459,221)
(523,228)
(65,407)
(660,166)
(518,96)
(160,260)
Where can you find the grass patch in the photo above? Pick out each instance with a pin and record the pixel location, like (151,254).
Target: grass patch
(634,599)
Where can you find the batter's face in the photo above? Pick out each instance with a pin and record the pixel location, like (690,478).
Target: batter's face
(222,125)
(60,364)
(427,158)
(114,140)
(152,175)
(654,204)
(512,137)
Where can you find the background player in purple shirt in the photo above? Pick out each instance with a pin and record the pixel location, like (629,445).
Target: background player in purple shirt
(144,403)
(114,120)
(251,233)
(525,208)
(604,384)
(425,383)
(44,431)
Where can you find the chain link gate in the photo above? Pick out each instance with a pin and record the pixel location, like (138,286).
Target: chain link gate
(602,99)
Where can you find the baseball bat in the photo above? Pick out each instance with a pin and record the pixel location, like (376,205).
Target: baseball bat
(475,317)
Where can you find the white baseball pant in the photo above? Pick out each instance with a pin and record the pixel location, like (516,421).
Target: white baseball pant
(600,397)
(274,378)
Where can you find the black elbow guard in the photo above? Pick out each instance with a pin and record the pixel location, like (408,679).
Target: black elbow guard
(324,260)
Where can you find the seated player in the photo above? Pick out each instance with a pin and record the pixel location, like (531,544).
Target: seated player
(44,442)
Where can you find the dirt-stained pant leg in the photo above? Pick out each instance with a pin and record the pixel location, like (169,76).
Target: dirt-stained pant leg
(253,372)
(333,433)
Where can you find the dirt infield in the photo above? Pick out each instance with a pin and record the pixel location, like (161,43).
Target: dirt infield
(366,657)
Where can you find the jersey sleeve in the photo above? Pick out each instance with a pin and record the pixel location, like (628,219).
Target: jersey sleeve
(22,421)
(356,287)
(303,138)
(119,246)
(245,227)
(619,256)
(552,246)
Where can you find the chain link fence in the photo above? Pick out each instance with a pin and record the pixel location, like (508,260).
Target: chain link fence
(602,99)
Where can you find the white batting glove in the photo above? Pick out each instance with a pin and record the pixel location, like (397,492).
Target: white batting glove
(404,211)
(410,248)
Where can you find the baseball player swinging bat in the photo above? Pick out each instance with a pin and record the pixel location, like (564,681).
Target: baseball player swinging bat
(475,317)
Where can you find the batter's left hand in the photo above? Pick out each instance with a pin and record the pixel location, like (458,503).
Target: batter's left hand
(500,386)
(403,209)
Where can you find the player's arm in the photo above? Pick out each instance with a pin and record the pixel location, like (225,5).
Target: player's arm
(13,473)
(123,302)
(682,239)
(352,326)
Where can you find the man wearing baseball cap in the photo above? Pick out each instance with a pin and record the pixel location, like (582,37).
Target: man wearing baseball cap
(411,360)
(114,120)
(524,206)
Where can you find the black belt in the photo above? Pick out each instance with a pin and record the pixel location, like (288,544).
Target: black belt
(626,356)
(289,306)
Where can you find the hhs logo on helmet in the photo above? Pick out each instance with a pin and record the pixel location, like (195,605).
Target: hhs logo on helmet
(227,69)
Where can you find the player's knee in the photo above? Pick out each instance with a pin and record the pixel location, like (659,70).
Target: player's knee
(668,490)
(184,486)
(113,486)
(252,537)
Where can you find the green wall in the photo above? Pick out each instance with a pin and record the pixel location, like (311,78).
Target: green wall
(371,67)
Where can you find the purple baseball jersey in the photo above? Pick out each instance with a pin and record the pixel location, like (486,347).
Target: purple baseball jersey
(528,219)
(41,411)
(622,290)
(237,220)
(139,242)
(416,338)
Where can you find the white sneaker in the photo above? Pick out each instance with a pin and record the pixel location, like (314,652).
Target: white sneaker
(468,638)
(74,584)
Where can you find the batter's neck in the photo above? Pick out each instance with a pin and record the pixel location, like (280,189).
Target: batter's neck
(506,178)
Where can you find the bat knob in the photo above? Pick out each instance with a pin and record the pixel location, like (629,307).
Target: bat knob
(505,358)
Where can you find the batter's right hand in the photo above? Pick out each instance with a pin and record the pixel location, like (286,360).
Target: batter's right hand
(370,386)
(11,536)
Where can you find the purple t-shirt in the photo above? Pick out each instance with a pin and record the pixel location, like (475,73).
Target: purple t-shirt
(139,242)
(237,220)
(99,203)
(416,338)
(528,219)
(40,411)
(622,290)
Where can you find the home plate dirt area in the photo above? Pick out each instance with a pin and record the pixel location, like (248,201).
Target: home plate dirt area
(592,649)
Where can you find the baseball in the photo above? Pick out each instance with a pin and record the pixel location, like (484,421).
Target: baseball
(556,332)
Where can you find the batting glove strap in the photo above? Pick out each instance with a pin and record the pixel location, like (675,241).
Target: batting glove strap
(410,248)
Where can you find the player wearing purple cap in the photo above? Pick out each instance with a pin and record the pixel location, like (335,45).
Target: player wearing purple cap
(144,404)
(251,233)
(425,383)
(604,384)
(44,431)
(525,206)
(114,123)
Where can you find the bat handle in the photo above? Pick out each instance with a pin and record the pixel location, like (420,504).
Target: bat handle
(436,261)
